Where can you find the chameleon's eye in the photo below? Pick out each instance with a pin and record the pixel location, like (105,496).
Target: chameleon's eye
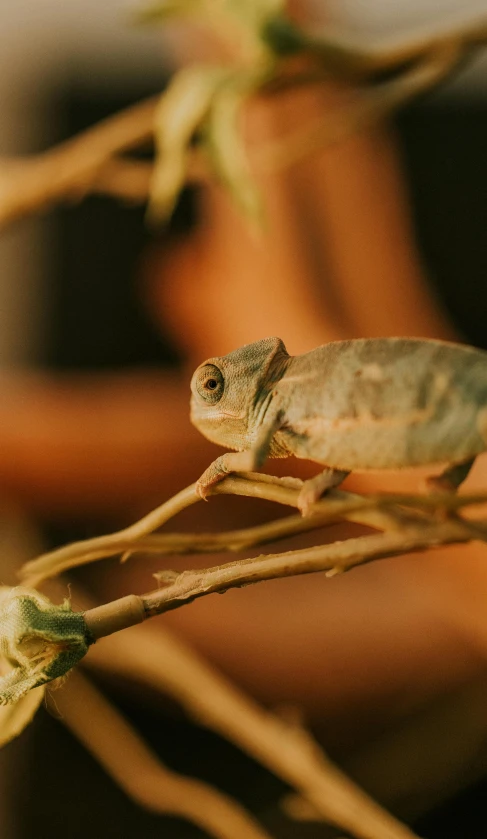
(210,383)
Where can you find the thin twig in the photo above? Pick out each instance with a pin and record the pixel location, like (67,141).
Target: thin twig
(378,511)
(139,772)
(70,169)
(49,564)
(72,556)
(182,588)
(351,59)
(369,107)
(125,179)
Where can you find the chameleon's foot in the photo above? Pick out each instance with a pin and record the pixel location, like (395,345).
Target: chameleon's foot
(450,479)
(314,488)
(202,489)
(223,466)
(211,476)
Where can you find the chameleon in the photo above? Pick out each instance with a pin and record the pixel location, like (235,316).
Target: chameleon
(356,405)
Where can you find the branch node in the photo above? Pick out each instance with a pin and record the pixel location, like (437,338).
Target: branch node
(166,577)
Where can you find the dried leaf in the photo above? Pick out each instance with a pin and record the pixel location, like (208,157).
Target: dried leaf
(17,716)
(39,641)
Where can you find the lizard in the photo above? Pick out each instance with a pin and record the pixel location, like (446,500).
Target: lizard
(355,405)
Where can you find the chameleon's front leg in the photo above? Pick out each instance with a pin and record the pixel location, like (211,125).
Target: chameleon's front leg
(246,461)
(313,489)
(223,466)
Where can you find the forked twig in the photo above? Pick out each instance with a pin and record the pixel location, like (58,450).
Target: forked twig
(383,512)
(182,588)
(365,109)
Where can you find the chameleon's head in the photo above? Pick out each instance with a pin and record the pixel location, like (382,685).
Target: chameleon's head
(227,393)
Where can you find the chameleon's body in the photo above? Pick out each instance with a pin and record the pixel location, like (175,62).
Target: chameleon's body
(385,403)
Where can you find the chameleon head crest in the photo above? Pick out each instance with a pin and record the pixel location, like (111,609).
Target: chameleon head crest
(227,391)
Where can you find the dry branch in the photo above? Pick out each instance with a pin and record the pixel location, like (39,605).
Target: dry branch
(70,170)
(139,772)
(415,530)
(157,658)
(182,588)
(410,522)
(366,108)
(161,660)
(382,512)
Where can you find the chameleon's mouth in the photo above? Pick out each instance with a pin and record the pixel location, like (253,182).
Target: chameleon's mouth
(232,416)
(204,413)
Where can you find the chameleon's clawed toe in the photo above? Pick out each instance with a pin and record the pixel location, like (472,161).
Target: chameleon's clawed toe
(202,490)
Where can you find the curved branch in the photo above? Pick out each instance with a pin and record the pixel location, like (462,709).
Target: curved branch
(155,657)
(164,662)
(379,511)
(367,108)
(70,169)
(182,588)
(139,772)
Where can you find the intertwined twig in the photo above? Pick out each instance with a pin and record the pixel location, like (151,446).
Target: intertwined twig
(409,523)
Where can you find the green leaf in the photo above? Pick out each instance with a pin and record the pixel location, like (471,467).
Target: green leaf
(181,112)
(226,145)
